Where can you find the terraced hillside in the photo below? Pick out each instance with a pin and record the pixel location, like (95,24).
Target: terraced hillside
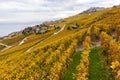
(86,47)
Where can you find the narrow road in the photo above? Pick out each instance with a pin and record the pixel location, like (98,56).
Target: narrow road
(7,47)
(47,38)
(22,41)
(60,29)
(3,44)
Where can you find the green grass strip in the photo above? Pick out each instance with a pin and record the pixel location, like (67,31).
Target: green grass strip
(96,66)
(72,67)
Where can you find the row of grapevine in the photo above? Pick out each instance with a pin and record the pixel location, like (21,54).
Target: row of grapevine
(82,68)
(111,50)
(60,65)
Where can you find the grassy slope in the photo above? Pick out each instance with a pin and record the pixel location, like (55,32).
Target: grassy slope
(96,67)
(72,67)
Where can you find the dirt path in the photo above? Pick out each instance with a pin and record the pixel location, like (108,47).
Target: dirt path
(7,47)
(22,41)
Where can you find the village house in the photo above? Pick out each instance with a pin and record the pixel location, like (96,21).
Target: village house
(37,30)
(51,26)
(43,31)
(74,26)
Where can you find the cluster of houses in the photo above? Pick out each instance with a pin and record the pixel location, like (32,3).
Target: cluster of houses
(41,29)
(38,29)
(75,26)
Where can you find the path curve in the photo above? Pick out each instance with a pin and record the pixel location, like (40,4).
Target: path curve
(7,47)
(22,41)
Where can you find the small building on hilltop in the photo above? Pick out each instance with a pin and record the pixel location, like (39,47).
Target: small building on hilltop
(74,26)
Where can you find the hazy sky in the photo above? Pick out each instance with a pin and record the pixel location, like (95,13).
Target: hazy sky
(17,14)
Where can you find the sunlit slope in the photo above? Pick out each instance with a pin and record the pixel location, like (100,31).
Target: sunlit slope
(51,53)
(83,20)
